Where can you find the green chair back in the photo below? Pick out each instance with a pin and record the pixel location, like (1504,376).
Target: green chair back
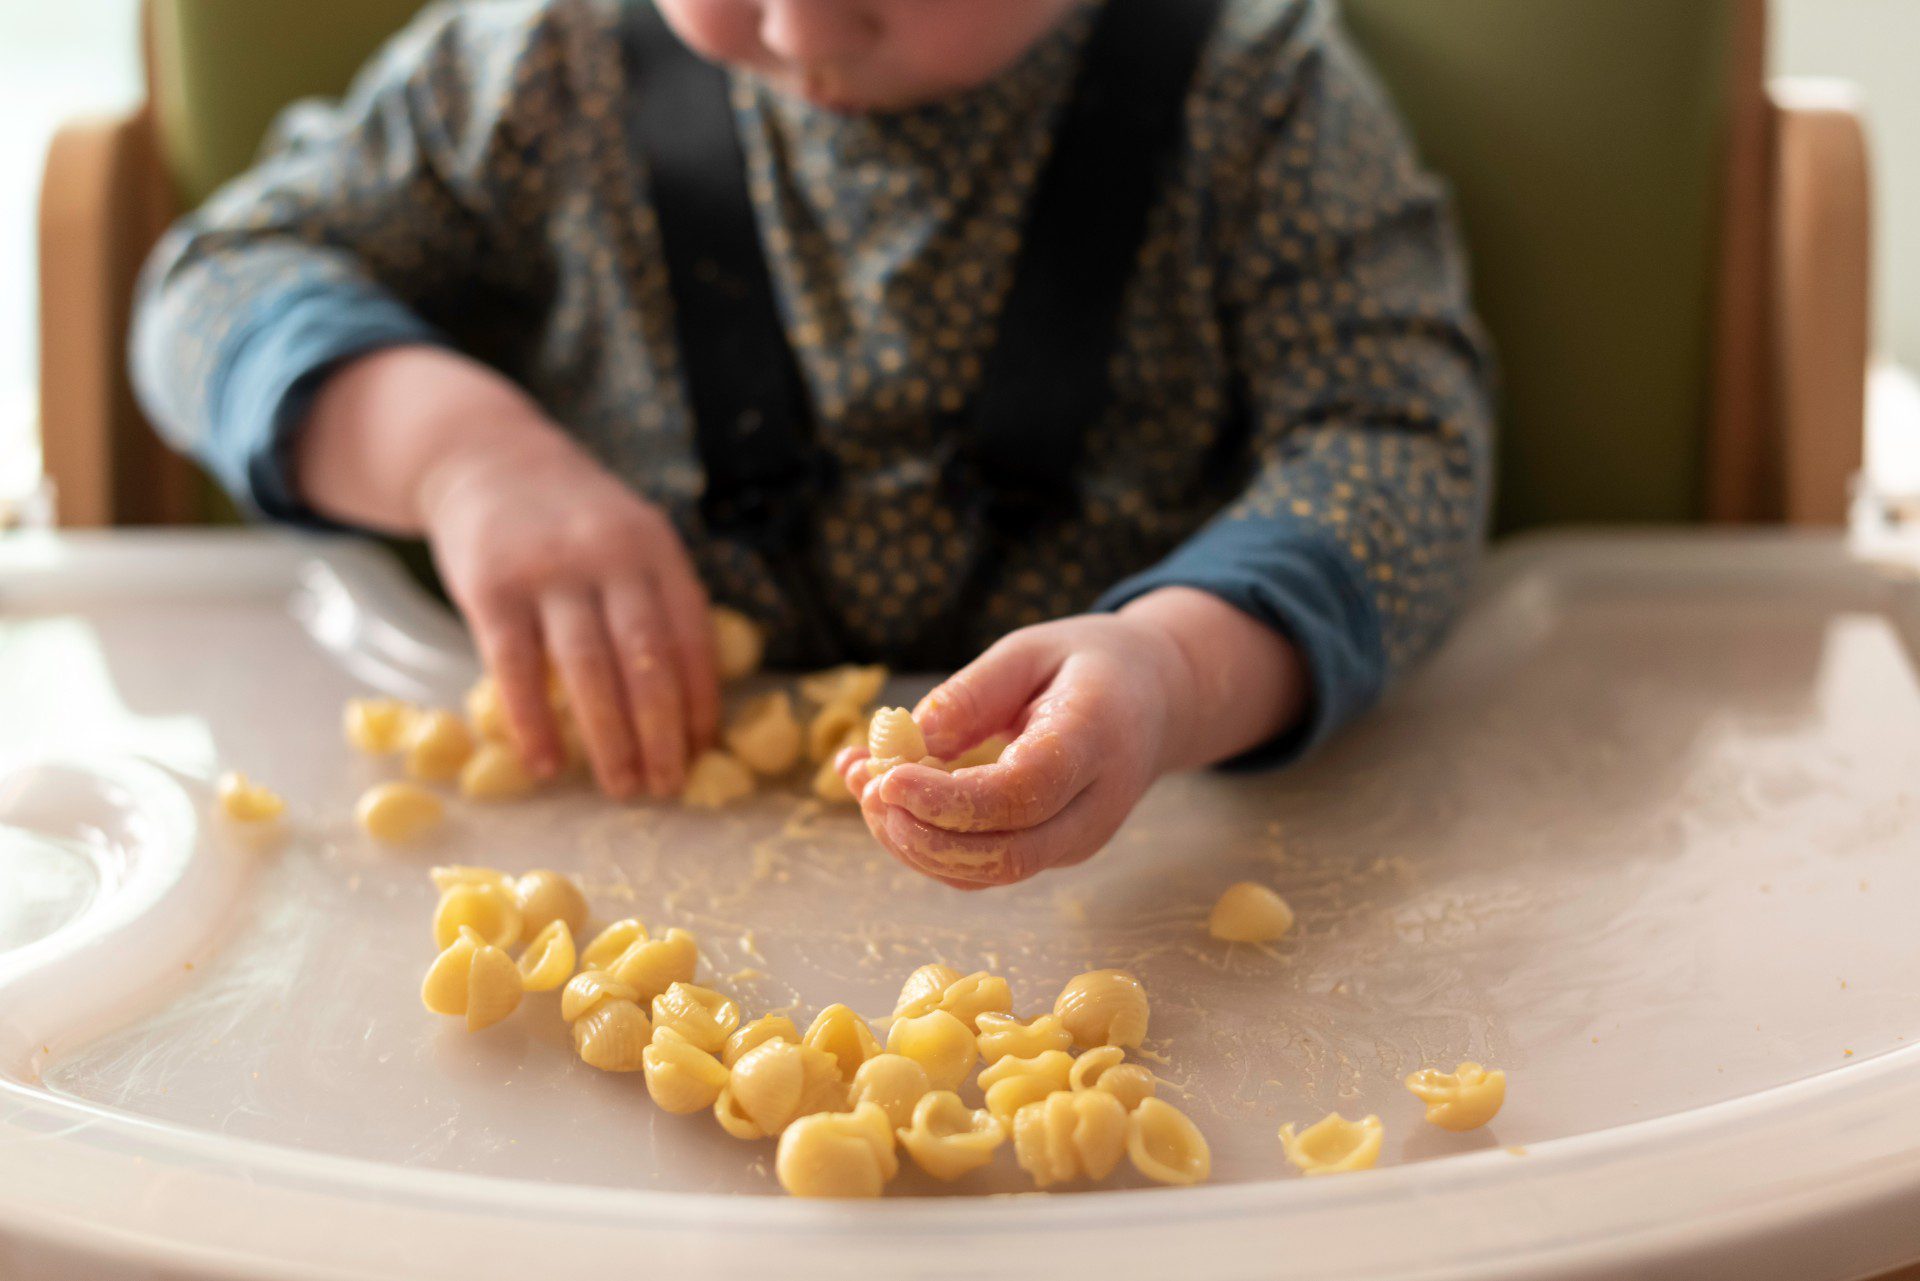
(1584,140)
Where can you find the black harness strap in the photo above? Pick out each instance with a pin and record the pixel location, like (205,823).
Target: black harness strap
(751,418)
(1114,150)
(1046,378)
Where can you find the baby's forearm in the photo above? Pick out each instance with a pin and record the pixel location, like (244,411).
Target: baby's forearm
(1239,681)
(388,429)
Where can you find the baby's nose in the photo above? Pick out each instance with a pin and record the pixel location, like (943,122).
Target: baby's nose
(814,32)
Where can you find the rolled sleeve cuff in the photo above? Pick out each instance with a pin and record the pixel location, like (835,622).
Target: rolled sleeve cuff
(1297,581)
(273,367)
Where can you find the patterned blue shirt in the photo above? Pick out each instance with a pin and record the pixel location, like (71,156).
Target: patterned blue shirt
(478,187)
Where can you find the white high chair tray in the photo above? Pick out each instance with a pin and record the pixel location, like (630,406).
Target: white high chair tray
(1644,835)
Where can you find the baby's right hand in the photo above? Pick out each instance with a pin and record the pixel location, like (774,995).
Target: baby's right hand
(553,560)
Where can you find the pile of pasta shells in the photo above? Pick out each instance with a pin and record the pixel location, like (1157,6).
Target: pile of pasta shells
(950,1079)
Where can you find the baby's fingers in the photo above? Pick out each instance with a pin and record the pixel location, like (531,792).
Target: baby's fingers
(989,694)
(980,859)
(576,633)
(510,647)
(1055,758)
(651,674)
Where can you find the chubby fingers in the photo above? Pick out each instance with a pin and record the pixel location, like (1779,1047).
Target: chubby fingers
(578,640)
(982,859)
(509,642)
(1056,757)
(650,672)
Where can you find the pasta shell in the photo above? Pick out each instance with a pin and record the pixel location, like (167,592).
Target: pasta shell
(548,960)
(1103,1007)
(613,1036)
(1165,1146)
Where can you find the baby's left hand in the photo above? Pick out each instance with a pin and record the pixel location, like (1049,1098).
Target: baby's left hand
(1100,705)
(1090,698)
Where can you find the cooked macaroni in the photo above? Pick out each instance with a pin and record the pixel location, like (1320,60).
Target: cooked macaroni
(985,753)
(245,801)
(1464,1099)
(844,1035)
(837,1154)
(586,990)
(396,813)
(1333,1144)
(777,1082)
(548,960)
(473,978)
(612,1036)
(716,778)
(1003,1034)
(545,896)
(651,966)
(1103,1007)
(1070,1135)
(738,643)
(489,910)
(378,726)
(939,1043)
(849,683)
(1165,1146)
(1102,1069)
(703,1017)
(611,942)
(835,726)
(765,734)
(1249,913)
(768,1027)
(893,738)
(681,1077)
(438,744)
(947,1139)
(923,989)
(893,1081)
(1013,1082)
(494,773)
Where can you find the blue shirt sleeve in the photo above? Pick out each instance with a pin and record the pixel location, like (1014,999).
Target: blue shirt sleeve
(273,366)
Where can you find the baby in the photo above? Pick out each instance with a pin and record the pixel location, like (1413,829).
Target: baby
(905,326)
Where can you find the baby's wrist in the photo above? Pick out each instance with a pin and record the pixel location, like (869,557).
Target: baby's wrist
(1232,682)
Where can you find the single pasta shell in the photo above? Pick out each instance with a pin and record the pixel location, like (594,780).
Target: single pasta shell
(613,1036)
(849,683)
(830,785)
(765,735)
(438,745)
(487,909)
(893,1081)
(682,1078)
(716,779)
(245,801)
(545,896)
(396,813)
(444,991)
(704,1017)
(377,726)
(845,1035)
(940,1043)
(493,988)
(835,726)
(494,773)
(1248,912)
(947,1139)
(1165,1146)
(1103,1007)
(738,643)
(893,737)
(923,989)
(548,960)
